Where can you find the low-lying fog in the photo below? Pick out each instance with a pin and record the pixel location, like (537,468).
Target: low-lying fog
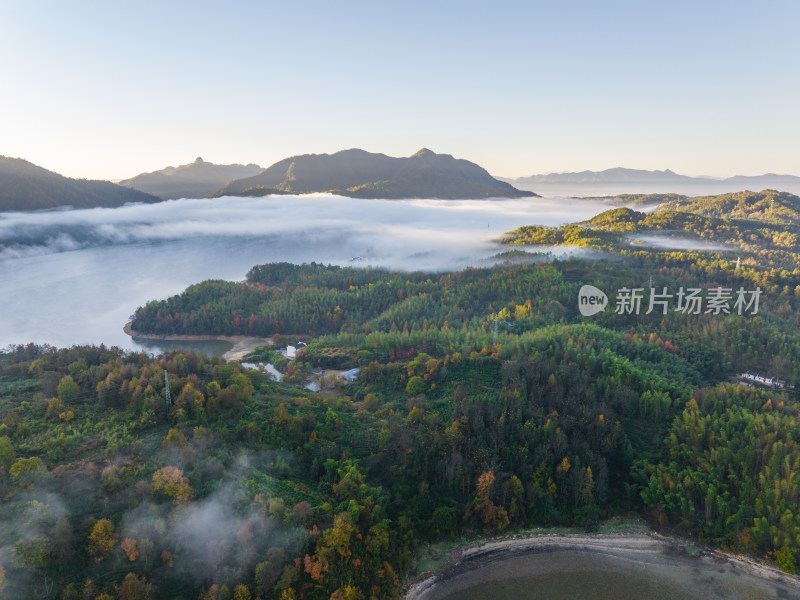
(671,241)
(74,277)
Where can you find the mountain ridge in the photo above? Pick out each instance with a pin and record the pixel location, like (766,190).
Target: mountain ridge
(192,180)
(26,186)
(357,173)
(625,175)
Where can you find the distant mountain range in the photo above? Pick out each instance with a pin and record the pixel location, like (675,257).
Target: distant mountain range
(643,181)
(24,186)
(354,173)
(359,174)
(195,180)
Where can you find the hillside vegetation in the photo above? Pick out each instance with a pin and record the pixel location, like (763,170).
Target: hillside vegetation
(765,235)
(263,489)
(24,186)
(361,174)
(485,401)
(768,205)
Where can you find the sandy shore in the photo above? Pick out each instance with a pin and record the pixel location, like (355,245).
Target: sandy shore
(242,344)
(649,559)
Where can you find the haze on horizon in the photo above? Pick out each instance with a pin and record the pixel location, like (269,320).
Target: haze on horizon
(115,90)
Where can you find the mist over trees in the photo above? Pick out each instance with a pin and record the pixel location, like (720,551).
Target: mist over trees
(485,402)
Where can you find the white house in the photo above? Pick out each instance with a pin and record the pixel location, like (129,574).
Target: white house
(763,379)
(350,375)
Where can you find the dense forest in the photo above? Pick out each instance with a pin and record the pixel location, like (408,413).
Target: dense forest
(766,205)
(485,402)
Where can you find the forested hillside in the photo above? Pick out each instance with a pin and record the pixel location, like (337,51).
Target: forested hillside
(359,174)
(485,401)
(767,205)
(247,486)
(24,186)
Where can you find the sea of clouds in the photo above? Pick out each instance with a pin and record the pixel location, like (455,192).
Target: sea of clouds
(74,276)
(383,231)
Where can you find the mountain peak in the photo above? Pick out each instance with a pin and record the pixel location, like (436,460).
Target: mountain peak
(360,174)
(423,153)
(192,180)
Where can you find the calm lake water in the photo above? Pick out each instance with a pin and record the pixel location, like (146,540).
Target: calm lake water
(620,575)
(74,277)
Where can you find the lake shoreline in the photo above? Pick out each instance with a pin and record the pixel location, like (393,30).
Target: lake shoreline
(242,344)
(649,549)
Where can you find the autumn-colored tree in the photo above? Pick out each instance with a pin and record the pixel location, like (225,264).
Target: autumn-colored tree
(54,408)
(170,483)
(25,465)
(26,471)
(134,588)
(517,493)
(315,568)
(129,548)
(7,454)
(190,400)
(302,511)
(241,592)
(370,402)
(492,516)
(101,540)
(346,593)
(211,594)
(276,508)
(173,439)
(281,415)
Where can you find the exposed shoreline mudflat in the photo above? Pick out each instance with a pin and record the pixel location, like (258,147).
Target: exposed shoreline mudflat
(549,565)
(242,344)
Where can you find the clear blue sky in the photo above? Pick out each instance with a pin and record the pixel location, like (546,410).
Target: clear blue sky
(110,89)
